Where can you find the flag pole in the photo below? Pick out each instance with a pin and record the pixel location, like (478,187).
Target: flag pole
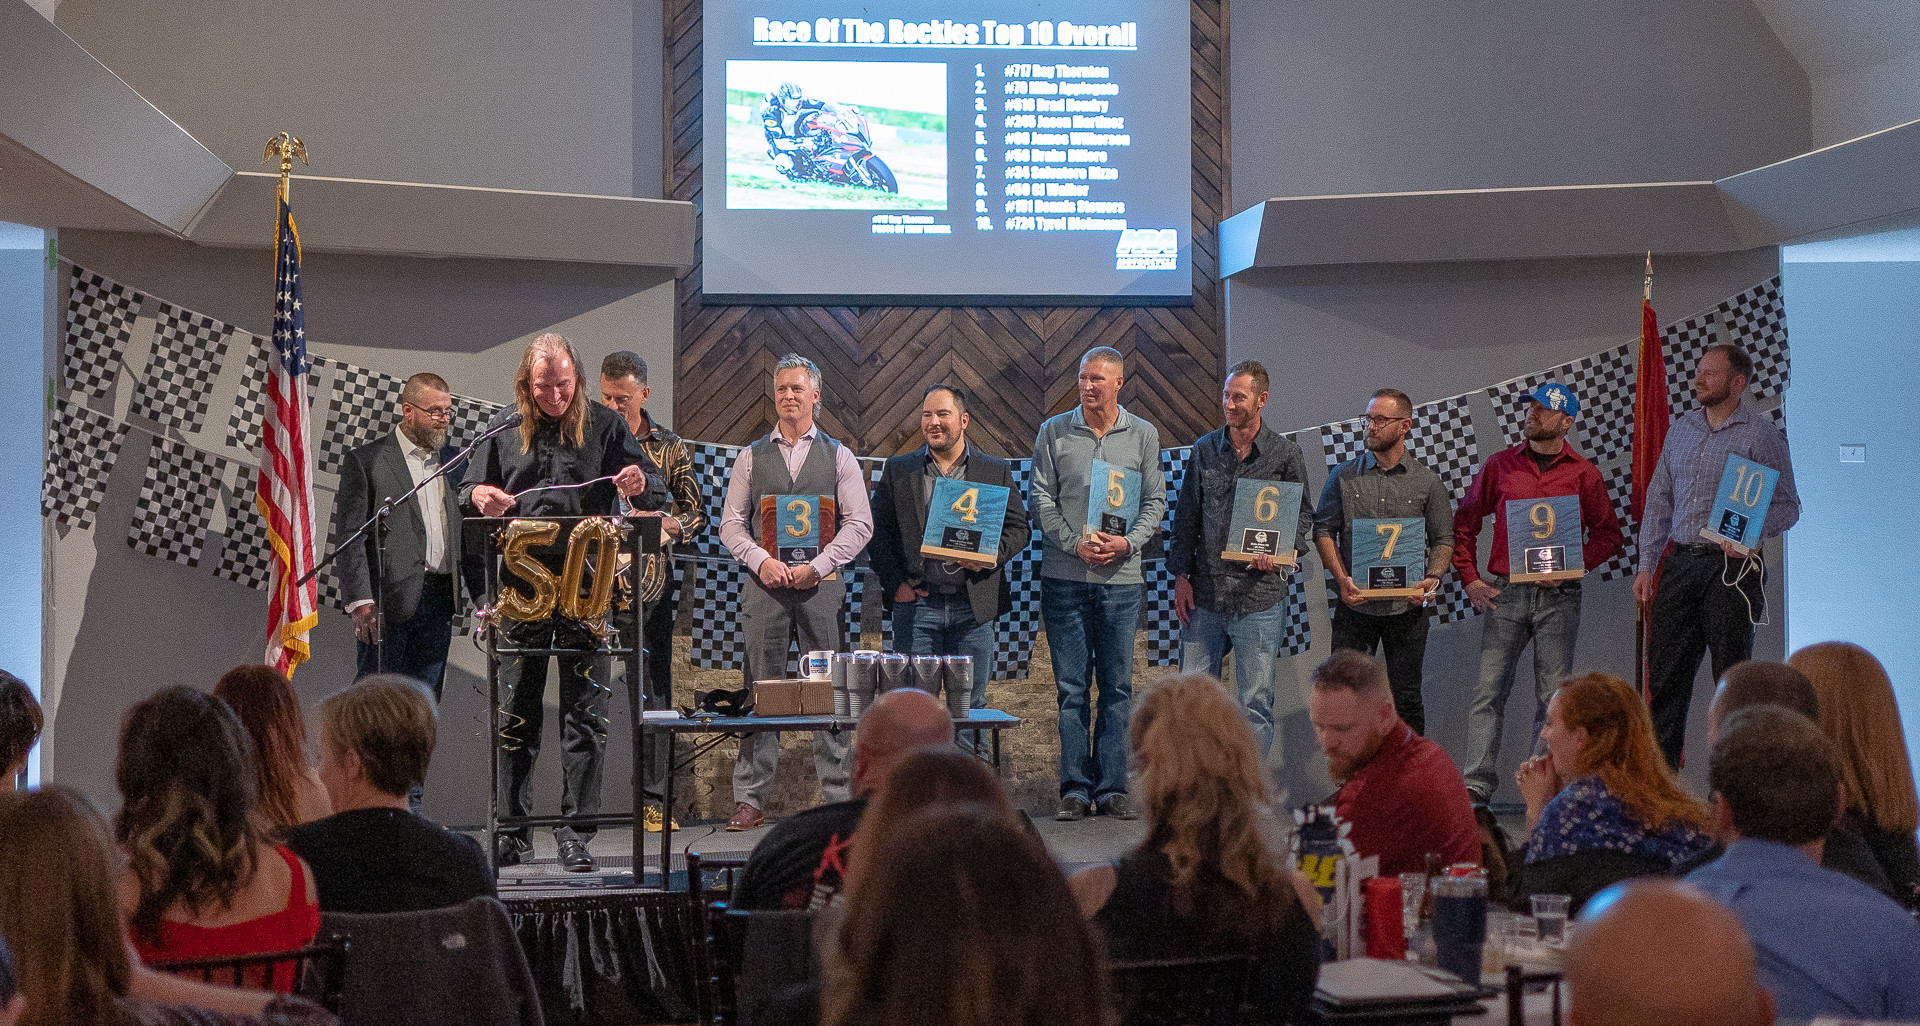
(285,146)
(1640,623)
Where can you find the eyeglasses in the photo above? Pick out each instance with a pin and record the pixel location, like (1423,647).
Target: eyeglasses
(1378,421)
(435,412)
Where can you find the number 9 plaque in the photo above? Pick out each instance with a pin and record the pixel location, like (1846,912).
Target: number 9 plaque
(1543,539)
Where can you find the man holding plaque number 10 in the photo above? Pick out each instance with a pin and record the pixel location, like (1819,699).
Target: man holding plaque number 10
(1723,484)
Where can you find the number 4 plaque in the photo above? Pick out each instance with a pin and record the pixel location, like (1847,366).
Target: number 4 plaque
(1740,507)
(1390,557)
(1543,539)
(964,522)
(1265,516)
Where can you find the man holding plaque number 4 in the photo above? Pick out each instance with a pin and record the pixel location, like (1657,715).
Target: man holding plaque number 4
(1552,522)
(1239,527)
(1723,484)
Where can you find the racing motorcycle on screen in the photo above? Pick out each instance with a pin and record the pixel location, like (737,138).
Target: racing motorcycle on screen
(835,147)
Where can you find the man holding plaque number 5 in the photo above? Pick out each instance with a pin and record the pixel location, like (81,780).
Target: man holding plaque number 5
(1408,505)
(1098,496)
(1705,595)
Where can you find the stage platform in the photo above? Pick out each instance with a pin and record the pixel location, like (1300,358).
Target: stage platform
(1074,846)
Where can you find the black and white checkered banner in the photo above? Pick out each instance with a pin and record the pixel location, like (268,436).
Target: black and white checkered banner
(1756,321)
(1681,345)
(1603,383)
(1619,481)
(100,316)
(364,405)
(246,417)
(82,447)
(246,557)
(1015,633)
(470,417)
(179,501)
(188,349)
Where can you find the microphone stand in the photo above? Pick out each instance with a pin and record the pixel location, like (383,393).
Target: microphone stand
(378,524)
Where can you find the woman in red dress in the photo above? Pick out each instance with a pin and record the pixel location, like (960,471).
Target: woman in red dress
(202,881)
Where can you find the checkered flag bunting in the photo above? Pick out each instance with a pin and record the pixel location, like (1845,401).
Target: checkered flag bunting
(712,466)
(1159,621)
(1173,467)
(1681,345)
(246,557)
(861,583)
(1603,383)
(366,405)
(177,503)
(1015,633)
(470,418)
(249,410)
(1756,321)
(716,615)
(100,316)
(188,350)
(1298,636)
(1442,439)
(1779,417)
(82,447)
(1619,481)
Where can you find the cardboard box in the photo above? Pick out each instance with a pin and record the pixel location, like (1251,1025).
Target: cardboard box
(780,697)
(816,698)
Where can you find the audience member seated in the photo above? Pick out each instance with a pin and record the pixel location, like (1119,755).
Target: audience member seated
(376,855)
(1602,805)
(1757,682)
(20,723)
(1399,791)
(1860,717)
(801,862)
(1205,881)
(202,881)
(1828,944)
(70,947)
(1656,951)
(962,919)
(924,778)
(290,792)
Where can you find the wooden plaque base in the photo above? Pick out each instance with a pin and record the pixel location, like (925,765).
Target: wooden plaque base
(972,560)
(1367,595)
(1557,575)
(1281,558)
(1718,538)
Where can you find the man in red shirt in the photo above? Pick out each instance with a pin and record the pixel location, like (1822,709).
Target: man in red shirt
(1399,792)
(1546,612)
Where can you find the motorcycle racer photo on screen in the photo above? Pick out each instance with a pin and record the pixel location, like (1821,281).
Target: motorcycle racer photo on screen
(811,139)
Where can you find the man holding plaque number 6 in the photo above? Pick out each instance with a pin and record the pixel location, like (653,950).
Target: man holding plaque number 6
(1552,522)
(1239,527)
(1706,593)
(1383,516)
(1098,496)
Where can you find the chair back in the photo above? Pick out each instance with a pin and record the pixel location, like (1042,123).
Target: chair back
(312,972)
(459,965)
(1519,981)
(1207,991)
(760,956)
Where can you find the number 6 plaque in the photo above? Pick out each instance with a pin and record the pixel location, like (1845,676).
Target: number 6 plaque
(1389,557)
(1740,507)
(1265,516)
(1543,539)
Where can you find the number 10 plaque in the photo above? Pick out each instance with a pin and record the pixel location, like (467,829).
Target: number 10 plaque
(1740,506)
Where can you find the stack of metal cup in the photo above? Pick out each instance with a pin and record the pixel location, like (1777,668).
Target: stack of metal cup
(957,674)
(928,673)
(841,673)
(862,681)
(895,672)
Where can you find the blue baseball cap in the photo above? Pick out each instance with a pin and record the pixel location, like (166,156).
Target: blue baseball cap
(1557,397)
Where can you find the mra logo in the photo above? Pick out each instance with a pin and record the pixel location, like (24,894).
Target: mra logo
(1147,249)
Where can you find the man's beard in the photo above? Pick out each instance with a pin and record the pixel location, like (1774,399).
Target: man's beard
(1706,398)
(434,438)
(1343,770)
(1376,443)
(1541,433)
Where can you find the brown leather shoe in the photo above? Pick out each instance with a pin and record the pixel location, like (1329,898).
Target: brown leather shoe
(745,817)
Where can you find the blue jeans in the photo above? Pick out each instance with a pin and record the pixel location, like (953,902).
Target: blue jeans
(1255,642)
(416,646)
(1090,630)
(901,620)
(1550,618)
(944,625)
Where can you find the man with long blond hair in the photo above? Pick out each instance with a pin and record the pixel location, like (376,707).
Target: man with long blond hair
(571,457)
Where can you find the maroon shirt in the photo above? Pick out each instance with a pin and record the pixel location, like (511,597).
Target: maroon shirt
(1512,474)
(1409,800)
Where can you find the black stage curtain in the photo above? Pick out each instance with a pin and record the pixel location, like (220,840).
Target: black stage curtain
(612,957)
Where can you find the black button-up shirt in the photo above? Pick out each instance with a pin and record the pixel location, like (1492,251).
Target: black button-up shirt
(1204,509)
(607,448)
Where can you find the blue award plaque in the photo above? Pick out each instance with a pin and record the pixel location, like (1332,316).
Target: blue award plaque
(1113,499)
(1740,507)
(1390,557)
(794,521)
(964,521)
(1266,515)
(1543,539)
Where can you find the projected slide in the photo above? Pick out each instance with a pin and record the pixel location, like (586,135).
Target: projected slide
(976,151)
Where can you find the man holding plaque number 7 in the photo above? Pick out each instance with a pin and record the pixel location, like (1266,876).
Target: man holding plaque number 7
(1407,503)
(1230,557)
(1550,510)
(1098,496)
(1706,596)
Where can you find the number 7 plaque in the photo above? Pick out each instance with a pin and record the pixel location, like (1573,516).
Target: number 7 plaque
(1543,539)
(964,522)
(1390,557)
(1740,506)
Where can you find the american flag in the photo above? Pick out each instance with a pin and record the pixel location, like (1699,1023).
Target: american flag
(285,492)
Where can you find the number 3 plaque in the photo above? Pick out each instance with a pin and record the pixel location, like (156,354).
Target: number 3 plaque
(1740,507)
(1390,557)
(1543,539)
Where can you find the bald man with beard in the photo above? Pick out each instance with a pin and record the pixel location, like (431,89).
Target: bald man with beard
(1661,952)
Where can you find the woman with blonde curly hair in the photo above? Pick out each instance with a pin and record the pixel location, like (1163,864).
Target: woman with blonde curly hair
(1602,806)
(202,881)
(1859,715)
(1209,878)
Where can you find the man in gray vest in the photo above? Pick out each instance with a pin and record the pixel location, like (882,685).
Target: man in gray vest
(795,550)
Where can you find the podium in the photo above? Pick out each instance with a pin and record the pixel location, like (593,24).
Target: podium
(506,543)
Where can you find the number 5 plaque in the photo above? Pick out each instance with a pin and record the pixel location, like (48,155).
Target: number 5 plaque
(1543,539)
(1265,517)
(964,522)
(1390,557)
(1740,507)
(1113,499)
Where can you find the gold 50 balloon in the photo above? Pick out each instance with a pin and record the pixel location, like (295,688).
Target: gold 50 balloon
(595,536)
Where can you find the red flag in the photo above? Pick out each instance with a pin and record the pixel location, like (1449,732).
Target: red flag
(1649,409)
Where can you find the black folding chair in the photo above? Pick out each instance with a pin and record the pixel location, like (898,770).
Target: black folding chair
(1519,981)
(1209,991)
(313,972)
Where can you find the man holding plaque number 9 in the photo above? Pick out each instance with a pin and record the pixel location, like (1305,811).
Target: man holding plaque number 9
(1706,595)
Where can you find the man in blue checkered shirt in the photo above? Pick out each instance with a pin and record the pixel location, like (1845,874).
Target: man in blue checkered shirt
(1705,596)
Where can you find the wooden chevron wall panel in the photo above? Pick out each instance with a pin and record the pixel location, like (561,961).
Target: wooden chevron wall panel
(1019,362)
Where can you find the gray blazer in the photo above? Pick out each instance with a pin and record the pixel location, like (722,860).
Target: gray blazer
(369,476)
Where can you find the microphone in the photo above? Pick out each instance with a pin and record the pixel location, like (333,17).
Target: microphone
(511,421)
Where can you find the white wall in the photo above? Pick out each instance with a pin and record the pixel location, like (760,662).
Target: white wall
(1852,311)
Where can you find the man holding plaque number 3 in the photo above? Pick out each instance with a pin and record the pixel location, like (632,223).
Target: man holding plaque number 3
(1705,593)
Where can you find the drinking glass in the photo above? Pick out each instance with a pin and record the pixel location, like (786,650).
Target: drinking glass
(1550,918)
